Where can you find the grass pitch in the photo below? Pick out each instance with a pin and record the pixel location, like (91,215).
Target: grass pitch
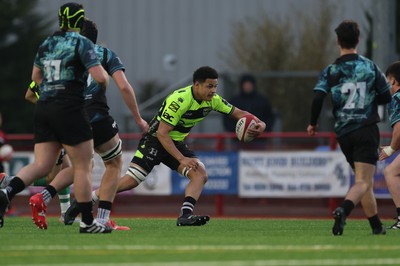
(221,242)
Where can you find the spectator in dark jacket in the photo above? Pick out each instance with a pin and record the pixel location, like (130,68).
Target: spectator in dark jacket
(251,100)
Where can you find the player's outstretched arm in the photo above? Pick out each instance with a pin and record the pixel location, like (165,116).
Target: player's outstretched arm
(128,94)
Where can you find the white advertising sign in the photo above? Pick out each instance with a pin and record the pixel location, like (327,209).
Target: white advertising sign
(293,174)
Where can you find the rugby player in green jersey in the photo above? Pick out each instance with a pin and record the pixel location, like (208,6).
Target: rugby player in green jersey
(164,142)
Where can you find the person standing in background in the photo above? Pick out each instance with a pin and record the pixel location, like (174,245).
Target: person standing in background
(251,100)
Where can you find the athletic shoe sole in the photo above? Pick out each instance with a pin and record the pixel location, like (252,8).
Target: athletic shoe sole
(340,218)
(38,211)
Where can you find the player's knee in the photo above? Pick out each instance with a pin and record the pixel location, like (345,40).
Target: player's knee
(364,183)
(203,172)
(115,163)
(200,177)
(204,178)
(199,174)
(137,173)
(44,168)
(112,153)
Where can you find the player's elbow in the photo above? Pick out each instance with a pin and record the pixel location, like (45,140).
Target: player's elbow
(99,75)
(125,88)
(102,79)
(161,136)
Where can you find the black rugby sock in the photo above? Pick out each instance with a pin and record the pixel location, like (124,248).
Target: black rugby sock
(188,206)
(375,222)
(348,206)
(16,185)
(85,209)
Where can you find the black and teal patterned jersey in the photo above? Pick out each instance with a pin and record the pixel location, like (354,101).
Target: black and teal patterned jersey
(64,58)
(394,109)
(182,111)
(95,96)
(354,82)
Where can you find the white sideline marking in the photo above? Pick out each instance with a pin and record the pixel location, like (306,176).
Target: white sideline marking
(201,248)
(317,262)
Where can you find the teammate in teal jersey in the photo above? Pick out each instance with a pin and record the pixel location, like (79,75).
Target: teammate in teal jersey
(164,142)
(105,133)
(60,120)
(357,86)
(393,169)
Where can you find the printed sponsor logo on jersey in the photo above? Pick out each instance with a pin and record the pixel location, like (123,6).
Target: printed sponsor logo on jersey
(174,106)
(167,116)
(180,100)
(206,111)
(88,97)
(153,151)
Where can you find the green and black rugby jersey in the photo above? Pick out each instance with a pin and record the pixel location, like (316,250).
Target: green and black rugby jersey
(182,111)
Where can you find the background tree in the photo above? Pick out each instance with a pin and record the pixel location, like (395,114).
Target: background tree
(272,49)
(22,29)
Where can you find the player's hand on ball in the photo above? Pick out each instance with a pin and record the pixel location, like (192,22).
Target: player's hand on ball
(248,127)
(257,129)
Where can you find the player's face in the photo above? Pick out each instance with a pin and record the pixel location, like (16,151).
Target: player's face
(205,91)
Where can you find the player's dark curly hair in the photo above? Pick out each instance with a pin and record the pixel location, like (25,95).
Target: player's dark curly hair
(394,71)
(203,73)
(89,30)
(348,34)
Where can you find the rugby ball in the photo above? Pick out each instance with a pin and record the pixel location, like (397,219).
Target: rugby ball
(242,127)
(6,152)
